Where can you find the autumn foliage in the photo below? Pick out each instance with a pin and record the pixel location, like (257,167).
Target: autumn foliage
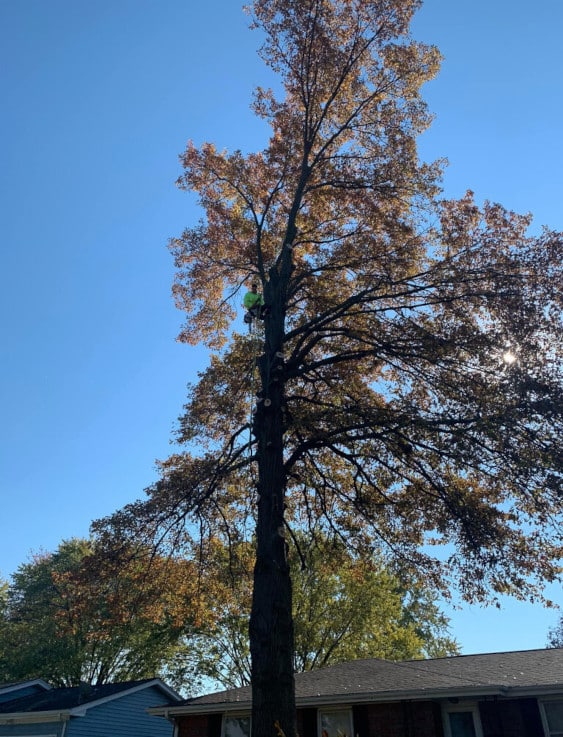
(385,411)
(84,615)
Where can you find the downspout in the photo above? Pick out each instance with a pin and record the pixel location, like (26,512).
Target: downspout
(172,719)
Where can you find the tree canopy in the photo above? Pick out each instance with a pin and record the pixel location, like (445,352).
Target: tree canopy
(73,616)
(408,376)
(344,607)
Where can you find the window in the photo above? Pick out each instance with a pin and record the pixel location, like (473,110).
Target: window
(552,716)
(335,723)
(462,721)
(237,725)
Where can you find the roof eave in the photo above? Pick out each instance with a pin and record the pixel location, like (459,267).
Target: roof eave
(26,684)
(55,715)
(29,717)
(156,682)
(371,697)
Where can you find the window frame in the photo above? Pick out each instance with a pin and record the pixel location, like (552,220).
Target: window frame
(543,714)
(332,709)
(236,715)
(471,706)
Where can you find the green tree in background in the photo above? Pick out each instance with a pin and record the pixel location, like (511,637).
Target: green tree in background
(555,635)
(35,612)
(347,608)
(73,616)
(4,585)
(344,608)
(3,610)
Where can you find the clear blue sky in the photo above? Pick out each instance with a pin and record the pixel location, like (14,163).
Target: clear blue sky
(99,99)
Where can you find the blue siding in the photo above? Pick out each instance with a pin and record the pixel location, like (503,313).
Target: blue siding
(123,717)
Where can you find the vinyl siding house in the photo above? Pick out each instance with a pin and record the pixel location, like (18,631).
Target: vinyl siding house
(110,710)
(11,691)
(512,694)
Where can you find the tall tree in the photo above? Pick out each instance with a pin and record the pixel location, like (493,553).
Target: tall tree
(73,616)
(409,385)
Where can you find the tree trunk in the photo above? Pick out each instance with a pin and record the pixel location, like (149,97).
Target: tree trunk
(271,622)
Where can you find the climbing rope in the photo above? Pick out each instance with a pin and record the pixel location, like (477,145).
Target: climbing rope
(256,342)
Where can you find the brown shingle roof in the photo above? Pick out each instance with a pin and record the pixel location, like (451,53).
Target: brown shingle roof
(380,680)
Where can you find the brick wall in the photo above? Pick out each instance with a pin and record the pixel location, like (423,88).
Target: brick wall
(193,726)
(407,719)
(510,718)
(200,725)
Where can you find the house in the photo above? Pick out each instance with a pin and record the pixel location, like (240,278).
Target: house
(511,694)
(10,691)
(110,710)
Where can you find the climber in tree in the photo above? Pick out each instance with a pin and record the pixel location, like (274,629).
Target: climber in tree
(254,304)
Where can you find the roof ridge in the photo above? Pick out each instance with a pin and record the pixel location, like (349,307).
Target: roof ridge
(474,655)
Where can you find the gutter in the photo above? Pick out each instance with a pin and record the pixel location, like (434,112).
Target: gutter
(161,711)
(30,717)
(472,693)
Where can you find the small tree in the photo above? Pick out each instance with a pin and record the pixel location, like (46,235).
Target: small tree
(409,387)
